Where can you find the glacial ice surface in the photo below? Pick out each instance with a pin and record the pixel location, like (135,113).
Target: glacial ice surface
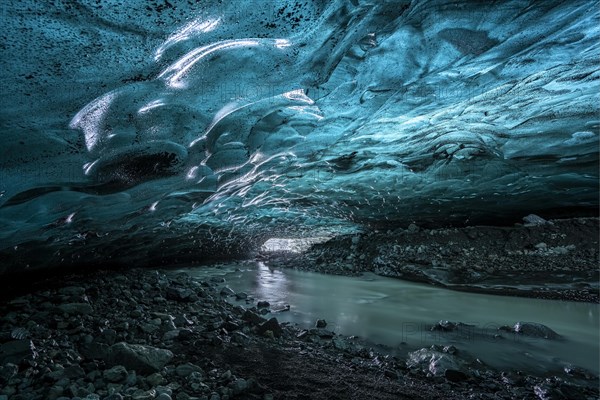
(155,130)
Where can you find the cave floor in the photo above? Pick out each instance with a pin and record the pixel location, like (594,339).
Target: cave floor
(145,334)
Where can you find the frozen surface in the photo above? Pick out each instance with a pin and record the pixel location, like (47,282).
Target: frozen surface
(143,129)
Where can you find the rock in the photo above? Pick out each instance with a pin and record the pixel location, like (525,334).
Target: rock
(321,323)
(390,374)
(231,326)
(449,349)
(115,374)
(241,296)
(122,326)
(75,308)
(74,372)
(95,350)
(163,396)
(534,329)
(226,292)
(226,375)
(55,392)
(271,325)
(155,379)
(8,390)
(57,375)
(286,307)
(72,291)
(302,334)
(577,372)
(184,370)
(180,294)
(263,304)
(164,389)
(108,336)
(252,317)
(143,359)
(535,220)
(114,396)
(444,326)
(455,376)
(149,328)
(238,386)
(7,371)
(322,333)
(182,320)
(185,334)
(171,335)
(547,392)
(17,351)
(132,379)
(20,333)
(434,361)
(412,228)
(340,344)
(143,395)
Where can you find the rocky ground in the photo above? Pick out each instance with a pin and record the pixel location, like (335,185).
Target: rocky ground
(142,334)
(555,259)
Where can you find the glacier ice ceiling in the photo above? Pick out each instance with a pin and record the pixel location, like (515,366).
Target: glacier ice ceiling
(166,130)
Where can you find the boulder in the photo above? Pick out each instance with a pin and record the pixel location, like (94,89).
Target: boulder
(437,362)
(534,329)
(271,325)
(263,304)
(142,359)
(535,220)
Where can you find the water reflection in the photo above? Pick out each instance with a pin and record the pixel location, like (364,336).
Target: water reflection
(400,314)
(270,284)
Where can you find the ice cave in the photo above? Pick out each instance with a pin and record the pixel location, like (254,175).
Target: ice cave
(312,199)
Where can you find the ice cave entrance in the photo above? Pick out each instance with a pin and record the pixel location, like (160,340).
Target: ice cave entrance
(293,245)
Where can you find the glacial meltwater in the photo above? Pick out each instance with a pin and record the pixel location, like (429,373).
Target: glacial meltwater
(401,314)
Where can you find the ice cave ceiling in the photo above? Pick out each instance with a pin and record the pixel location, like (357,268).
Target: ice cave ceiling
(143,129)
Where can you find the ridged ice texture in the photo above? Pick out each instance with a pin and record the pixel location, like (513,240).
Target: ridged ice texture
(148,128)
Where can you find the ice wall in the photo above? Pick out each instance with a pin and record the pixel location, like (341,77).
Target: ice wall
(142,130)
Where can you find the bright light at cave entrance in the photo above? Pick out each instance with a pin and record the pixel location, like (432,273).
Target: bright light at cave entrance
(292,245)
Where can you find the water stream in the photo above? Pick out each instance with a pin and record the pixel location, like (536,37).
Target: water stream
(400,314)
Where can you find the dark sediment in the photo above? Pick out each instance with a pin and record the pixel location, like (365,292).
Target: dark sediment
(557,259)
